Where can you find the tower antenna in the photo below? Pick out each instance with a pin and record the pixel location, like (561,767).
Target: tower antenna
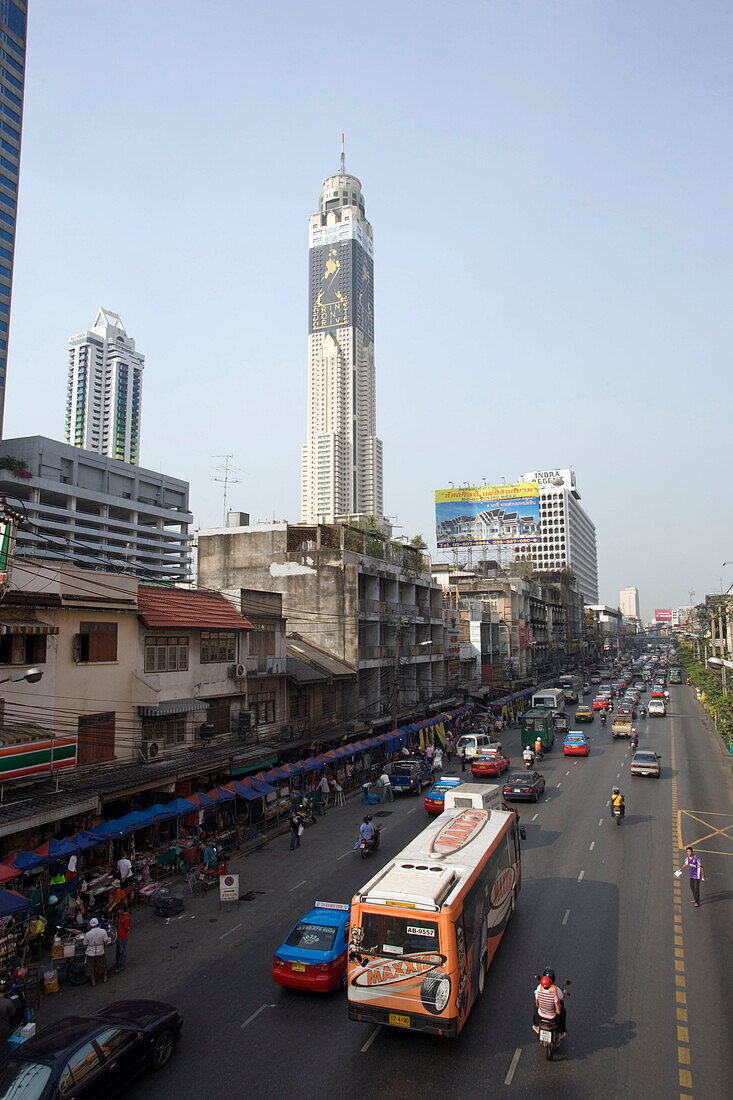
(226,476)
(343,157)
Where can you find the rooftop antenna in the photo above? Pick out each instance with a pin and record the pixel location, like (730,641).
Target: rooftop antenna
(343,157)
(226,478)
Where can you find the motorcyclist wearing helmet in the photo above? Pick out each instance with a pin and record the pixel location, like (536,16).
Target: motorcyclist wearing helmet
(603,717)
(366,831)
(617,801)
(549,1003)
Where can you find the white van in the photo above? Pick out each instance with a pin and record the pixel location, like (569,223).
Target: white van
(552,698)
(474,743)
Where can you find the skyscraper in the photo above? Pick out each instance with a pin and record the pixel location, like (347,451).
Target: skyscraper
(105,390)
(13,14)
(629,603)
(341,466)
(568,534)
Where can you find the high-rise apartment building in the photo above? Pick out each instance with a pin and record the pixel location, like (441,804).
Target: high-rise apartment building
(568,535)
(628,602)
(105,390)
(341,466)
(13,16)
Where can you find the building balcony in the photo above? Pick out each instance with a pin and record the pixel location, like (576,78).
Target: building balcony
(265,666)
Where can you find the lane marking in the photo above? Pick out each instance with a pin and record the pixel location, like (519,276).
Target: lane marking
(371,1039)
(255,1015)
(513,1066)
(560,784)
(580,876)
(565,918)
(592,845)
(601,821)
(349,853)
(568,773)
(225,934)
(297,885)
(412,810)
(535,817)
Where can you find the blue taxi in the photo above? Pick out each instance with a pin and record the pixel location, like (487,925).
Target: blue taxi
(435,798)
(313,955)
(576,744)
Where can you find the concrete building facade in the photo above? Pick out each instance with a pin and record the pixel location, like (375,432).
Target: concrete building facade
(628,601)
(104,390)
(568,535)
(341,462)
(96,511)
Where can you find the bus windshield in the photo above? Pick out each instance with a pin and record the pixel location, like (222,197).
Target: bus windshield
(393,935)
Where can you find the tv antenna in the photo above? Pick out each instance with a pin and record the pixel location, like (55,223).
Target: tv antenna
(343,157)
(226,476)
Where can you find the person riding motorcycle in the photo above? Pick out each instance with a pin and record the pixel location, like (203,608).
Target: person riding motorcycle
(549,1003)
(528,755)
(617,802)
(538,747)
(603,717)
(634,742)
(642,711)
(366,831)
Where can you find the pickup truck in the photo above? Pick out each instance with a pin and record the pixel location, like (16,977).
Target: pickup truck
(410,773)
(622,725)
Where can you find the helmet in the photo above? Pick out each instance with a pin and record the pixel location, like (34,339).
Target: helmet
(20,974)
(545,982)
(93,923)
(53,900)
(548,972)
(616,790)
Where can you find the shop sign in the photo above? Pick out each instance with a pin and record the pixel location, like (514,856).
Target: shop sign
(228,888)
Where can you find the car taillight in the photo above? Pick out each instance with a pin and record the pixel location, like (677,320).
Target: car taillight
(526,790)
(323,968)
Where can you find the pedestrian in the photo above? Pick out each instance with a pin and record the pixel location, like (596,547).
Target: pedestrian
(438,760)
(124,868)
(697,874)
(450,747)
(430,752)
(463,759)
(95,942)
(296,829)
(123,934)
(324,789)
(386,785)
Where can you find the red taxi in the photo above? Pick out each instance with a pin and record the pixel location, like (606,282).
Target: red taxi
(491,762)
(600,702)
(576,744)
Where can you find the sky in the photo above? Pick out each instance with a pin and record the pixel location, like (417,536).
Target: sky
(549,187)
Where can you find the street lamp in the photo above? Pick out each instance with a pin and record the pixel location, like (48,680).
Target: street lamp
(32,675)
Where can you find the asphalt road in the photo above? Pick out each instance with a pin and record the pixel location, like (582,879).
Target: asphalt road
(652,983)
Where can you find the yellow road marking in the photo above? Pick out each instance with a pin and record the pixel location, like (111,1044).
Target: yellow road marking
(685,1078)
(683,1055)
(683,1035)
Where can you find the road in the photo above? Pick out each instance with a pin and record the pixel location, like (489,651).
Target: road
(648,1013)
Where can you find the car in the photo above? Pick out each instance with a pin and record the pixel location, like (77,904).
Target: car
(583,714)
(313,955)
(562,722)
(657,708)
(645,762)
(489,762)
(627,708)
(94,1055)
(640,686)
(658,691)
(410,773)
(435,798)
(576,744)
(601,702)
(523,787)
(595,678)
(472,743)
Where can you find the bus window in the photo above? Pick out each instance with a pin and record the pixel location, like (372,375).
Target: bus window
(399,935)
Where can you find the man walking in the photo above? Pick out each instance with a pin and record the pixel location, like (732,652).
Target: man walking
(123,934)
(386,791)
(95,942)
(124,869)
(697,874)
(295,828)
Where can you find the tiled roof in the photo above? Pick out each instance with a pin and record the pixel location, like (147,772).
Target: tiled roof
(188,609)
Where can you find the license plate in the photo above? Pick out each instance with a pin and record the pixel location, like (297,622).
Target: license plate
(398,1021)
(545,1036)
(517,790)
(298,966)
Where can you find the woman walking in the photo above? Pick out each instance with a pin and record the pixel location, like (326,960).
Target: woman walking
(697,874)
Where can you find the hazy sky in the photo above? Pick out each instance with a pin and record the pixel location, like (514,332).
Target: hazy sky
(549,186)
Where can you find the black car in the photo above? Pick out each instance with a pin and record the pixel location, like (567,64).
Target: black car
(523,787)
(86,1057)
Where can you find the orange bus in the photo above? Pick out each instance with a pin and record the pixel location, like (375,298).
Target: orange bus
(425,929)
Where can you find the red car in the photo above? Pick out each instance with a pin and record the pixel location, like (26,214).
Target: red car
(576,744)
(489,763)
(600,702)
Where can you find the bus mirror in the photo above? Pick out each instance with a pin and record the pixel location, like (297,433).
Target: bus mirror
(522,832)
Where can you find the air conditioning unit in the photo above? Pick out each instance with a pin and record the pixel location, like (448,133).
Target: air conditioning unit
(206,730)
(149,750)
(237,671)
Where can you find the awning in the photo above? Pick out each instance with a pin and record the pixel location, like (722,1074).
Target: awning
(248,769)
(11,903)
(19,621)
(173,706)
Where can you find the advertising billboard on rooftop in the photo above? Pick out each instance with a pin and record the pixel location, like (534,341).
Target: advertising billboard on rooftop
(663,615)
(488,515)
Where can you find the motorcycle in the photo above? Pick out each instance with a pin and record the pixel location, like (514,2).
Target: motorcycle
(15,993)
(617,813)
(603,718)
(367,846)
(528,760)
(549,1031)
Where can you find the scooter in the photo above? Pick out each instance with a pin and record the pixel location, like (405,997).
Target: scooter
(528,761)
(604,719)
(367,846)
(13,990)
(549,1034)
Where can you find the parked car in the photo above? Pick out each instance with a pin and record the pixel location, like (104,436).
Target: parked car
(435,798)
(473,743)
(657,708)
(645,762)
(98,1055)
(313,955)
(410,773)
(523,787)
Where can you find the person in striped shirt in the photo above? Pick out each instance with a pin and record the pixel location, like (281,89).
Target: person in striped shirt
(549,1003)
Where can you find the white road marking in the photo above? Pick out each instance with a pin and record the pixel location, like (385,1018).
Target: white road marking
(618,775)
(601,821)
(513,1066)
(580,876)
(297,885)
(225,934)
(412,810)
(565,918)
(592,845)
(622,764)
(567,773)
(560,784)
(350,852)
(371,1039)
(255,1014)
(535,817)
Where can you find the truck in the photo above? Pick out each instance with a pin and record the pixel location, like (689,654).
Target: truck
(538,722)
(622,726)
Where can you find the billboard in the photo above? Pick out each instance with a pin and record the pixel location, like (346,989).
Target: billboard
(663,615)
(488,515)
(341,288)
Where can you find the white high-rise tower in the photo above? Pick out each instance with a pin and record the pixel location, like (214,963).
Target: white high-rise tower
(105,390)
(341,467)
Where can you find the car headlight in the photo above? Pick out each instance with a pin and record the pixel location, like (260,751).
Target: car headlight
(435,992)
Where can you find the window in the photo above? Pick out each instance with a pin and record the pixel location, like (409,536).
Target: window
(114,1040)
(79,1068)
(262,707)
(218,646)
(96,642)
(22,649)
(166,654)
(168,730)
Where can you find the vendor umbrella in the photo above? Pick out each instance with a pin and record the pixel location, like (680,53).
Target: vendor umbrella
(57,849)
(312,764)
(201,801)
(182,806)
(7,873)
(24,861)
(11,903)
